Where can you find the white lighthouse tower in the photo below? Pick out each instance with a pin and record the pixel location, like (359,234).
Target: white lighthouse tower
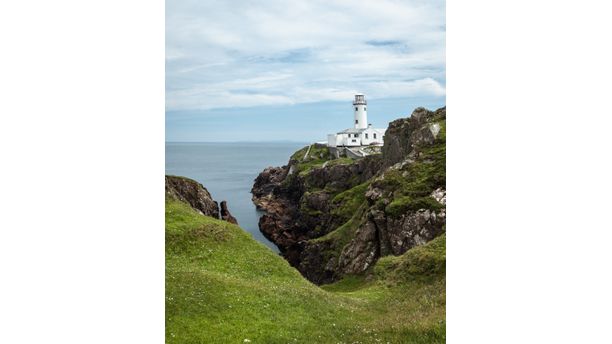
(362,134)
(361,114)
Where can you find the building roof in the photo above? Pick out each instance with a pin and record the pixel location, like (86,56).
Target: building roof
(357,131)
(351,131)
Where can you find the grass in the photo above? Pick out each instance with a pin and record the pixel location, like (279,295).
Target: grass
(421,262)
(348,202)
(222,286)
(403,204)
(340,161)
(342,235)
(317,157)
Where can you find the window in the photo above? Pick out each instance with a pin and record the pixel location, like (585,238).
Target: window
(374,135)
(356,121)
(366,135)
(356,135)
(365,108)
(355,108)
(354,140)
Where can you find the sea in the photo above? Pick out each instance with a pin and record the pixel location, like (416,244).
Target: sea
(228,171)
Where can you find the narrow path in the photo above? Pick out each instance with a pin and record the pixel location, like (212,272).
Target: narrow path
(307,151)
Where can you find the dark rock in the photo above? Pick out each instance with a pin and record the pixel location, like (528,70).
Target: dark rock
(265,183)
(226,215)
(294,215)
(343,177)
(361,252)
(316,264)
(405,134)
(382,235)
(193,193)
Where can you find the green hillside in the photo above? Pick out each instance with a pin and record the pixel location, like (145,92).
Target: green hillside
(222,286)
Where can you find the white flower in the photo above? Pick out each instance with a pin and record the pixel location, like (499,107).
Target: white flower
(246,340)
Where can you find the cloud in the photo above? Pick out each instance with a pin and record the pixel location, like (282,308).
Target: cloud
(241,53)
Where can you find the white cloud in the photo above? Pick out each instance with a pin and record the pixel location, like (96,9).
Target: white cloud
(240,54)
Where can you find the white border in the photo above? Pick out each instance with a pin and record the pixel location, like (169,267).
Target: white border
(82,142)
(81,136)
(528,172)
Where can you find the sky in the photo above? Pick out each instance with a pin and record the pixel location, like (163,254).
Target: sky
(274,70)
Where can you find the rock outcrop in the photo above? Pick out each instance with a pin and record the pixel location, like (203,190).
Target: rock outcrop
(299,206)
(405,134)
(226,215)
(197,196)
(335,217)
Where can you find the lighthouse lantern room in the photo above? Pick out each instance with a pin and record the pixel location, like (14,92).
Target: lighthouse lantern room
(361,111)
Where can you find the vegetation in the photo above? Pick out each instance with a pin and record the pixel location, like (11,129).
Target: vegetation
(420,263)
(411,186)
(403,204)
(340,161)
(342,235)
(224,287)
(317,156)
(348,202)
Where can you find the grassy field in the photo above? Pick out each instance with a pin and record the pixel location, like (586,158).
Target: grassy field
(222,286)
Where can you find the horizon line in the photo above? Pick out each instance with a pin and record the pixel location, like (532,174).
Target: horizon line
(243,141)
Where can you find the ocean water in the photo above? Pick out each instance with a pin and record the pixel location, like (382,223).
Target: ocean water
(228,170)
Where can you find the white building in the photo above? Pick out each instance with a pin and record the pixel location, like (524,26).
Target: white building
(362,134)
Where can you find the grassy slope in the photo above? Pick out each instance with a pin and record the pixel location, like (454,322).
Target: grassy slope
(317,157)
(224,287)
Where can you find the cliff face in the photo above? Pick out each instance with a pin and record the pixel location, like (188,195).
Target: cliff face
(195,194)
(404,135)
(298,198)
(336,217)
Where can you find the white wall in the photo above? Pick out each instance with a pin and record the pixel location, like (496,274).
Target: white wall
(370,136)
(361,116)
(332,140)
(335,140)
(351,140)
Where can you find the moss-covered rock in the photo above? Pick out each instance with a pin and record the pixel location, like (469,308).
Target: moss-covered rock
(195,194)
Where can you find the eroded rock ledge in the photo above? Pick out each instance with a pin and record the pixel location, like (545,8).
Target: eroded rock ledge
(197,196)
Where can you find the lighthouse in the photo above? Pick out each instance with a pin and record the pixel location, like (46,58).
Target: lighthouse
(361,113)
(362,133)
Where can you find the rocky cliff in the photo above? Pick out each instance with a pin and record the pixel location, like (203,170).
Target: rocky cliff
(197,196)
(332,217)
